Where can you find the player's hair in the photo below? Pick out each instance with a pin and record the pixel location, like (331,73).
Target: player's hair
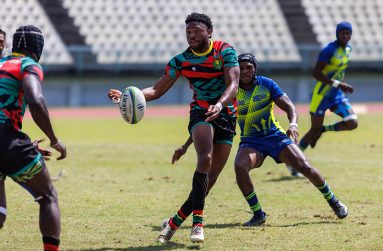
(29,40)
(198,17)
(3,32)
(248,57)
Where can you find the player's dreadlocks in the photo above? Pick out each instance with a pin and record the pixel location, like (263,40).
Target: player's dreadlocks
(29,40)
(197,17)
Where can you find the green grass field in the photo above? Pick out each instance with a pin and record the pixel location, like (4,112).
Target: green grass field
(119,185)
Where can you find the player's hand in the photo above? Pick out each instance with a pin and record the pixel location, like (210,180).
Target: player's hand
(178,153)
(60,147)
(45,153)
(114,95)
(213,112)
(292,132)
(346,88)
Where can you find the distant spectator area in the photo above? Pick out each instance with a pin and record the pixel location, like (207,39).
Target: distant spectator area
(366,17)
(21,12)
(130,31)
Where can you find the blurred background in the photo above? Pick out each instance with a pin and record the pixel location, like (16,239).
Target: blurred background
(94,45)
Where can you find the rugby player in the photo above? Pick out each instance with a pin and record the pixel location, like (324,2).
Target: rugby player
(213,72)
(329,92)
(21,159)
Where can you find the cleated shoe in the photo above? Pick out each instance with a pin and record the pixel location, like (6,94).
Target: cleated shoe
(196,235)
(167,232)
(339,208)
(256,220)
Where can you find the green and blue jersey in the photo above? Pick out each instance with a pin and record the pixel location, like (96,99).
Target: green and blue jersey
(256,106)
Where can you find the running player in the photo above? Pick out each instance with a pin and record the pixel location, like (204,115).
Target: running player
(330,88)
(213,73)
(20,159)
(261,136)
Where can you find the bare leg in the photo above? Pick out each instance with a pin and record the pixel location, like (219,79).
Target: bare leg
(311,137)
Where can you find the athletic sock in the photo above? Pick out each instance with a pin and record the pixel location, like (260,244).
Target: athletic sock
(333,127)
(51,244)
(327,193)
(200,182)
(177,219)
(253,202)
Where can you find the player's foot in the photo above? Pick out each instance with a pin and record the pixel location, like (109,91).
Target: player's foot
(294,172)
(257,220)
(197,234)
(167,232)
(315,140)
(339,208)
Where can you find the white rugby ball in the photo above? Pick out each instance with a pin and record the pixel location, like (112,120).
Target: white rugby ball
(132,105)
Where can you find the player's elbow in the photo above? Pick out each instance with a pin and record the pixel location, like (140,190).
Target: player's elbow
(36,103)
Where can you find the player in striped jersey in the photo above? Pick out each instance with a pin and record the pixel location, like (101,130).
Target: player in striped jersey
(20,159)
(212,70)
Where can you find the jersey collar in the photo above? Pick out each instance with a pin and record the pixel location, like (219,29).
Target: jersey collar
(204,53)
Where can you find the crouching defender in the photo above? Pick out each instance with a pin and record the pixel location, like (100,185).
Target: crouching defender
(261,136)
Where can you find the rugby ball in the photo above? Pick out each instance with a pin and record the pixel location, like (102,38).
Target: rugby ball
(132,105)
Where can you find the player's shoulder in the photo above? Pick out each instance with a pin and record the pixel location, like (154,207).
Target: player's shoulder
(27,61)
(221,45)
(262,80)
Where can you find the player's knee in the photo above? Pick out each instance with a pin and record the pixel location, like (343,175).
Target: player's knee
(240,168)
(47,198)
(205,160)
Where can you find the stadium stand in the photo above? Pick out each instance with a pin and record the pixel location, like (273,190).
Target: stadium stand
(21,12)
(152,31)
(367,20)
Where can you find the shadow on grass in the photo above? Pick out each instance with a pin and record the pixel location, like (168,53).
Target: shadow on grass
(285,178)
(225,225)
(169,246)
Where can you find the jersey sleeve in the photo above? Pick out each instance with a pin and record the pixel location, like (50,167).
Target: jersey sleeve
(275,90)
(229,56)
(173,68)
(29,66)
(326,54)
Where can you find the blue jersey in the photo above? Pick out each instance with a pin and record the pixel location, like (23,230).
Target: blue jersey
(255,108)
(336,58)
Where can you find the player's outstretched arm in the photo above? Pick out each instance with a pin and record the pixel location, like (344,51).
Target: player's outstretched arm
(3,203)
(287,106)
(181,150)
(39,111)
(162,85)
(232,81)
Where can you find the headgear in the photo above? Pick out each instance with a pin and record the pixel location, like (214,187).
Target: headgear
(28,38)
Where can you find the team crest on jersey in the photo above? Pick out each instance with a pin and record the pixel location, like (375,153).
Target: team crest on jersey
(217,64)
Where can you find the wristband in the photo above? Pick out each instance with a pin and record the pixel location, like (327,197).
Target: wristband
(335,83)
(293,124)
(3,210)
(219,106)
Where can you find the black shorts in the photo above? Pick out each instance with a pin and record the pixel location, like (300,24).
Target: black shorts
(19,158)
(224,125)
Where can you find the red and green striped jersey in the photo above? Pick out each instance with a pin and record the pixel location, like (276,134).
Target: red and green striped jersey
(12,102)
(205,74)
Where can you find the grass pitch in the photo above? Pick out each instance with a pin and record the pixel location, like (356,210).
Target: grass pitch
(119,185)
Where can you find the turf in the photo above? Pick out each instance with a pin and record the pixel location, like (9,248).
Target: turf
(119,185)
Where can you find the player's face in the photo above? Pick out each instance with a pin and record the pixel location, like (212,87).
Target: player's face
(198,36)
(247,71)
(344,37)
(2,43)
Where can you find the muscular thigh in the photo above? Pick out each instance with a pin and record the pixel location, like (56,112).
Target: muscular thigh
(249,157)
